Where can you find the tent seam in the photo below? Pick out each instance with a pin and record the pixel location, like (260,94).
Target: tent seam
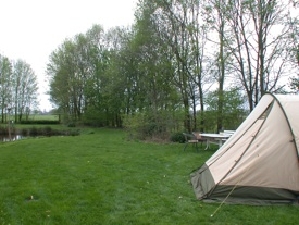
(232,145)
(289,124)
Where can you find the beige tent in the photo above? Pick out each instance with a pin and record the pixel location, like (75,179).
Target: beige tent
(259,163)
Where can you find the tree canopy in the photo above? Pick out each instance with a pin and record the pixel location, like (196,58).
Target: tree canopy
(167,66)
(18,88)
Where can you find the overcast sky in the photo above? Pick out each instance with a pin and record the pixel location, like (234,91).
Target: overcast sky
(31,29)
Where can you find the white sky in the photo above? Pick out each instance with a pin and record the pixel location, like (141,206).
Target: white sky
(31,29)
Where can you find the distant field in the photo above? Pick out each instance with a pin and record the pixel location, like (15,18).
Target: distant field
(44,117)
(39,117)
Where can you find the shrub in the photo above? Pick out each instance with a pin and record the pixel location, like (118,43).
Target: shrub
(3,130)
(177,137)
(71,125)
(33,131)
(48,131)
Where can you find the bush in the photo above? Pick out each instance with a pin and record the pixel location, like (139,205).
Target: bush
(146,126)
(71,125)
(177,137)
(33,131)
(3,130)
(48,131)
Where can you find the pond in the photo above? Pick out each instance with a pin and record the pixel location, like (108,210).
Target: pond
(17,134)
(4,138)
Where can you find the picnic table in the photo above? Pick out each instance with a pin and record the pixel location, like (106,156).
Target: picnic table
(217,139)
(193,138)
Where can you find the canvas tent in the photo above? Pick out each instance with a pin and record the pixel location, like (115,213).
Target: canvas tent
(259,164)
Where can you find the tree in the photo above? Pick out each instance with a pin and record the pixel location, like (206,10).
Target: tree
(24,89)
(216,12)
(199,37)
(82,81)
(294,83)
(294,51)
(176,24)
(66,80)
(260,31)
(119,75)
(60,70)
(163,65)
(5,85)
(233,109)
(155,73)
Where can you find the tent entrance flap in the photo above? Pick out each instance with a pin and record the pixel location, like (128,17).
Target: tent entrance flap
(202,181)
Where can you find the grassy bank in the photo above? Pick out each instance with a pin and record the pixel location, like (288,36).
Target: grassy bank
(101,178)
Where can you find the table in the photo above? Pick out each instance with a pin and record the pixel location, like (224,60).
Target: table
(217,139)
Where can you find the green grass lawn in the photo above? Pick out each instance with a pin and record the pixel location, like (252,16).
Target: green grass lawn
(44,117)
(34,117)
(102,178)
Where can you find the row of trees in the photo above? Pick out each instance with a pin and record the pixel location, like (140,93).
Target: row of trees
(18,88)
(178,56)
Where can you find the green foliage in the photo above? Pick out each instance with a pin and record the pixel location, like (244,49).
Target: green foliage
(210,120)
(233,113)
(5,84)
(153,125)
(134,123)
(93,117)
(18,88)
(294,83)
(161,64)
(177,137)
(71,125)
(25,89)
(4,130)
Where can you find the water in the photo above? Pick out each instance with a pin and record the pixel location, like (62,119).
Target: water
(13,138)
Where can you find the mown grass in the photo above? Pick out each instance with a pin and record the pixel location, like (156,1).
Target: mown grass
(100,177)
(49,117)
(35,117)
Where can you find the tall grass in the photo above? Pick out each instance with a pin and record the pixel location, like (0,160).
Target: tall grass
(100,177)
